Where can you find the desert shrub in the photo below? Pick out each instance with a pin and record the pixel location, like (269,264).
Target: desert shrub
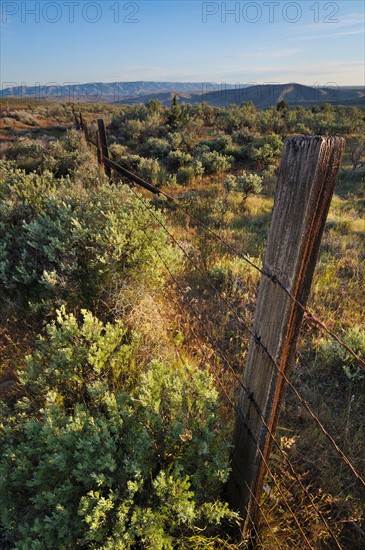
(245,183)
(131,131)
(230,183)
(267,151)
(249,183)
(215,163)
(63,161)
(117,151)
(150,170)
(74,244)
(175,139)
(102,455)
(333,356)
(177,159)
(61,158)
(190,172)
(24,193)
(7,122)
(131,161)
(220,144)
(56,110)
(24,117)
(26,149)
(156,147)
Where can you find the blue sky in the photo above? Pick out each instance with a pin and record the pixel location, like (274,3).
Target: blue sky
(261,41)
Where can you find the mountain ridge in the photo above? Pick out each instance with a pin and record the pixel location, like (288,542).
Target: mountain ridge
(218,95)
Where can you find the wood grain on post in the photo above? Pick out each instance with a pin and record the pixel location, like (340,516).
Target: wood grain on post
(104,145)
(305,186)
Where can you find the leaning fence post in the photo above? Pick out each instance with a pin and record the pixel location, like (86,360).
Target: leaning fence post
(306,181)
(104,145)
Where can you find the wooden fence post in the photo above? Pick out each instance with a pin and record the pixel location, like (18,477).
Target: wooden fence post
(77,123)
(104,145)
(99,151)
(306,181)
(84,128)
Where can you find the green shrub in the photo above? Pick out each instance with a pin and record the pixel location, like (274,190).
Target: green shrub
(177,159)
(215,163)
(268,150)
(70,246)
(245,183)
(117,151)
(187,174)
(24,193)
(230,183)
(249,183)
(24,117)
(149,169)
(333,355)
(101,455)
(156,147)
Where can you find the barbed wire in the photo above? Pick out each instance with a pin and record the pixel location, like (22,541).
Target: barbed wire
(259,342)
(257,408)
(226,443)
(239,413)
(311,317)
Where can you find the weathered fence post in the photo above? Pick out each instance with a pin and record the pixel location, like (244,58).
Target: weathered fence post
(84,128)
(99,151)
(306,181)
(77,123)
(104,145)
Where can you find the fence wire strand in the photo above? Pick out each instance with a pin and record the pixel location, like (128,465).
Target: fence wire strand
(259,342)
(239,413)
(311,317)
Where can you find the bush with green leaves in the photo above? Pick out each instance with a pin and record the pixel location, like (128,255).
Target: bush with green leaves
(116,151)
(332,355)
(267,151)
(61,157)
(102,454)
(63,245)
(157,148)
(177,159)
(28,154)
(151,170)
(244,183)
(249,183)
(190,172)
(215,163)
(24,116)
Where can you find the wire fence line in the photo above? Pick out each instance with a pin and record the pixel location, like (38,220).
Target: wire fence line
(309,316)
(136,179)
(259,342)
(272,436)
(234,408)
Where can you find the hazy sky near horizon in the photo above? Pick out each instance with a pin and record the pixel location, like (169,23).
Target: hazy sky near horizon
(78,41)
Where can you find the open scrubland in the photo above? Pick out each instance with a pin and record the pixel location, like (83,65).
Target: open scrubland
(123,329)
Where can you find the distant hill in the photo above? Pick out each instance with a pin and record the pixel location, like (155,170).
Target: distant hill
(106,92)
(262,95)
(266,95)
